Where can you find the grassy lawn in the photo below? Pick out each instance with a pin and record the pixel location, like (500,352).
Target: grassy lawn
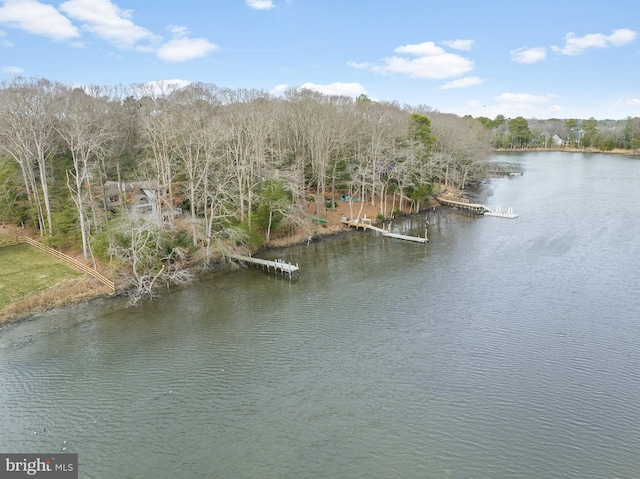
(25,271)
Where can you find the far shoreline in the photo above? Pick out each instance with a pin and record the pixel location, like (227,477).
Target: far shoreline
(616,151)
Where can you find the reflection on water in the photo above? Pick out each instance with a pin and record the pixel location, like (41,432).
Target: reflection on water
(502,348)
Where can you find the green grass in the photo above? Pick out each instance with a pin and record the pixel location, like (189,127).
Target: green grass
(25,270)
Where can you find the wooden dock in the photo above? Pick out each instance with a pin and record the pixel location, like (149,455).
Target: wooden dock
(477,208)
(463,204)
(277,266)
(366,224)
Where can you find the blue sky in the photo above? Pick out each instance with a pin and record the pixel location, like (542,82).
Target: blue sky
(538,58)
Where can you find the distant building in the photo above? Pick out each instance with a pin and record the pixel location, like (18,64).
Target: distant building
(557,141)
(138,197)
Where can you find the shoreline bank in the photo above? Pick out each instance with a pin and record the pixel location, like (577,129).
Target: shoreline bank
(616,151)
(83,290)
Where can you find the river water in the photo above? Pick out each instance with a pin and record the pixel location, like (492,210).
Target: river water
(500,349)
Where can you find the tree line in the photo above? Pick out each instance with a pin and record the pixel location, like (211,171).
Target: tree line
(604,135)
(230,166)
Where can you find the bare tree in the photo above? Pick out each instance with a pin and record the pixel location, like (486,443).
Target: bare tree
(316,134)
(27,137)
(197,139)
(156,121)
(292,148)
(383,127)
(249,124)
(146,257)
(87,128)
(460,150)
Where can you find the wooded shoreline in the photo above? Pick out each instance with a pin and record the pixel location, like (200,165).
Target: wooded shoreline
(76,292)
(157,183)
(162,185)
(569,149)
(86,289)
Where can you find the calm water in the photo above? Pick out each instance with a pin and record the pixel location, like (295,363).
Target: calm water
(501,349)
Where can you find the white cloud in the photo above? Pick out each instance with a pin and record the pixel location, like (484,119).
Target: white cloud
(278,89)
(38,19)
(512,105)
(359,65)
(163,87)
(425,60)
(260,4)
(525,104)
(107,21)
(628,107)
(622,36)
(459,44)
(420,49)
(13,70)
(528,55)
(337,88)
(178,30)
(4,43)
(183,49)
(430,67)
(577,45)
(462,83)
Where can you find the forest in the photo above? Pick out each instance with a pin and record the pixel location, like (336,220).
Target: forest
(588,134)
(157,180)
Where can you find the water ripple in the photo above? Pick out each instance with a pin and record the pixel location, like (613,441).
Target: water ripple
(501,349)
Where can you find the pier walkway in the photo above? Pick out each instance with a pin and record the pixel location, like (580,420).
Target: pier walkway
(366,224)
(277,266)
(463,204)
(477,208)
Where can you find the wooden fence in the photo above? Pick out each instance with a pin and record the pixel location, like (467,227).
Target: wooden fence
(61,256)
(10,241)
